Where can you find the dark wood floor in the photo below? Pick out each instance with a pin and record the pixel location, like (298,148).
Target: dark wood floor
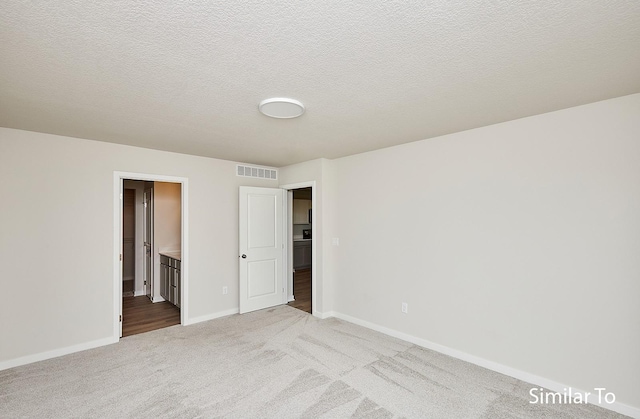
(302,290)
(140,315)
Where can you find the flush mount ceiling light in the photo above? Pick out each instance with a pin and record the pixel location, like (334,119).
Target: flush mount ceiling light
(281,107)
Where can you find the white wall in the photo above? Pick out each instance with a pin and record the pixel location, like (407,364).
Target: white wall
(167,232)
(57,232)
(518,243)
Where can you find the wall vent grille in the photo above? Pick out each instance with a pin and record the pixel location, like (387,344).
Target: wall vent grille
(258,172)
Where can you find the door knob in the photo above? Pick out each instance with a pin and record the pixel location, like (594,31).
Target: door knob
(243,256)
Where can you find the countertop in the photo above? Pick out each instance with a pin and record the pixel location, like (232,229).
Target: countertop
(301,240)
(173,254)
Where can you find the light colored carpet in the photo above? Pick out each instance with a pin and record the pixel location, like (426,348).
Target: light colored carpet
(275,363)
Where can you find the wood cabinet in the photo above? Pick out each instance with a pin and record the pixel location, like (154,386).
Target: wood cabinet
(164,277)
(301,209)
(301,254)
(170,280)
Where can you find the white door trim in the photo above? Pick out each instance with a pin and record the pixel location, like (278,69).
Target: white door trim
(118,178)
(314,243)
(288,254)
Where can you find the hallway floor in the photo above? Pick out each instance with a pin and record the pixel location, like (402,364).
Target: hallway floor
(302,290)
(140,315)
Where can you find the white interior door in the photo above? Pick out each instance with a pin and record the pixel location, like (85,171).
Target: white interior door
(261,248)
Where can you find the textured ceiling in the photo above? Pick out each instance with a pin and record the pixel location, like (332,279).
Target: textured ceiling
(187,76)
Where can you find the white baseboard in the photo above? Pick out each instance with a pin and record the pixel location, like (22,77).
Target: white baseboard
(211,316)
(56,353)
(326,315)
(494,366)
(139,293)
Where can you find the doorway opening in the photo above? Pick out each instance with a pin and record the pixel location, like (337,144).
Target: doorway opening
(301,242)
(151,274)
(266,247)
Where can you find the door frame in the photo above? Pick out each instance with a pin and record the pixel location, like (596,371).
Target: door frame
(314,243)
(139,189)
(118,186)
(147,270)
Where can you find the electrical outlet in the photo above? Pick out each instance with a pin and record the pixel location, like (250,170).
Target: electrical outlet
(405,308)
(335,241)
(225,290)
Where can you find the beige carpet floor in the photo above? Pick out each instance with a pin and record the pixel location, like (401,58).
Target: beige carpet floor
(275,363)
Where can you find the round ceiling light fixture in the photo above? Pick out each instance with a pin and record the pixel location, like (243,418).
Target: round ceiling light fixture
(281,107)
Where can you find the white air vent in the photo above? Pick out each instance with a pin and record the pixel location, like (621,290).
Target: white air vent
(259,172)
